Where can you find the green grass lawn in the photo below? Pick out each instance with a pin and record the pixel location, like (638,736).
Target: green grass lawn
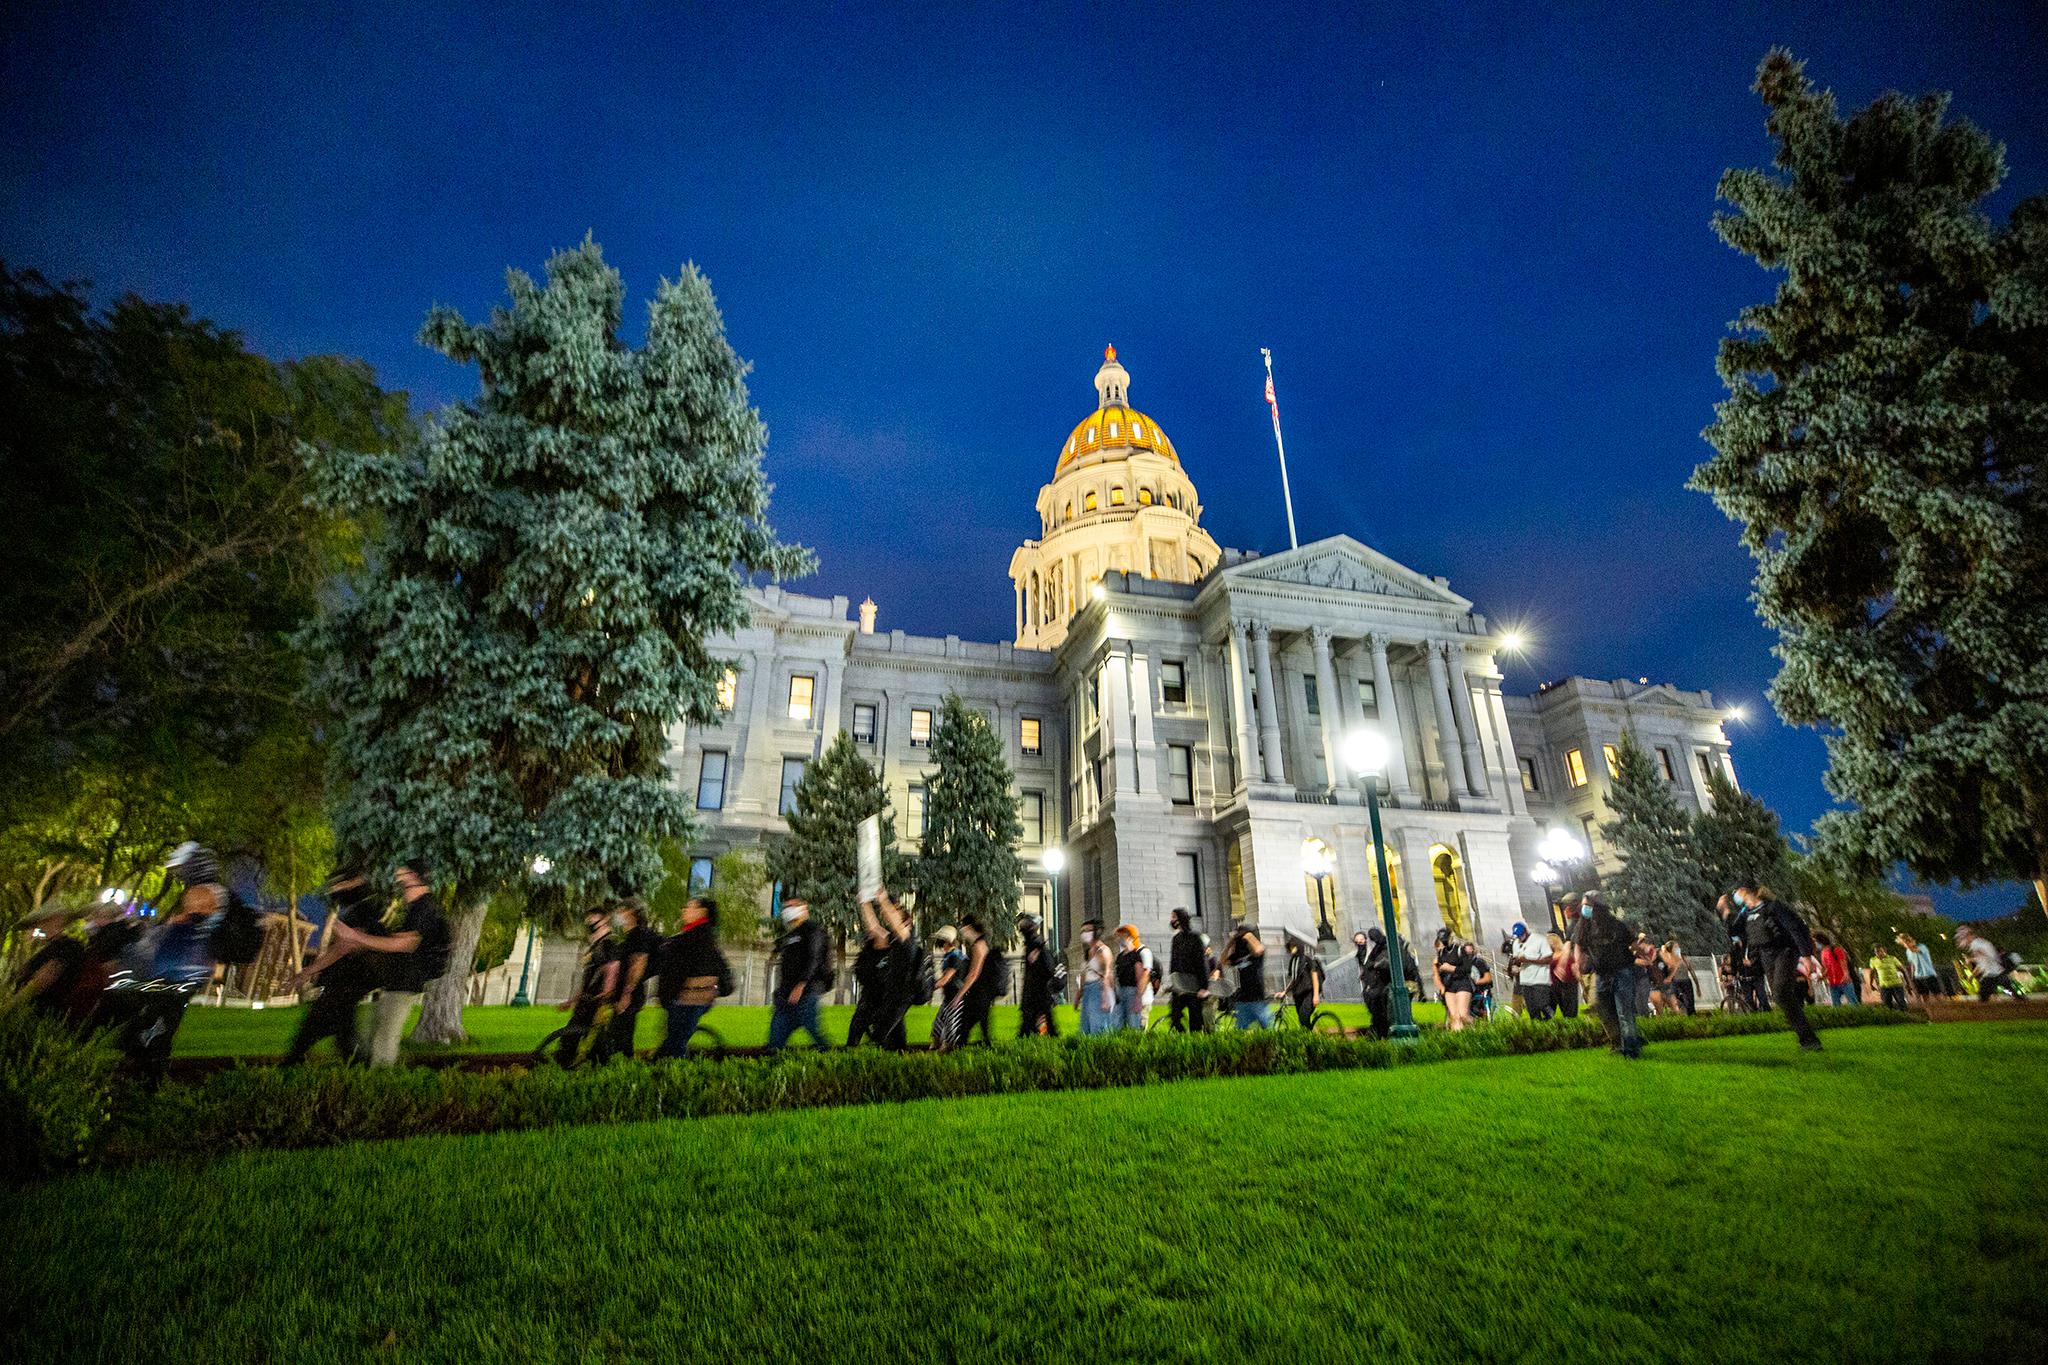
(236,1032)
(1724,1201)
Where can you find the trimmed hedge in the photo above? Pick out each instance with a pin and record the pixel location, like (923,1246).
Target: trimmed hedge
(56,1094)
(278,1107)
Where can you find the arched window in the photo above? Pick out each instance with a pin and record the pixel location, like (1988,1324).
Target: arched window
(1031,598)
(1144,497)
(1116,496)
(1067,512)
(1112,431)
(1091,436)
(1088,501)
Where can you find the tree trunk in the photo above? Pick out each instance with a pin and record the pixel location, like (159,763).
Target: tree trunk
(441,1008)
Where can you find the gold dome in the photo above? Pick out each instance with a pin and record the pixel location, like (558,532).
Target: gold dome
(1114,425)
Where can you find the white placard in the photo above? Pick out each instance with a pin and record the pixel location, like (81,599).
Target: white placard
(869,842)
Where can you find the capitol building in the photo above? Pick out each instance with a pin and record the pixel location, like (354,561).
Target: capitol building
(1174,712)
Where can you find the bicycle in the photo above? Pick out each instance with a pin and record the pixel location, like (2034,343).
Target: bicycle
(1324,1020)
(703,1038)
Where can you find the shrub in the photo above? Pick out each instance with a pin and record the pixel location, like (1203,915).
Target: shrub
(56,1094)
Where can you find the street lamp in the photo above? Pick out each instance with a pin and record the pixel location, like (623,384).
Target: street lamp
(1557,847)
(541,868)
(1054,861)
(1545,876)
(1317,863)
(1365,752)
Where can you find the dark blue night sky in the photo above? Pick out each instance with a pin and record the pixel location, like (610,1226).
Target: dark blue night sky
(1478,246)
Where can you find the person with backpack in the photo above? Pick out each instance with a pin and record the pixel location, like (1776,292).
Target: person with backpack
(1247,956)
(986,978)
(162,969)
(1771,934)
(803,974)
(1993,969)
(1097,996)
(638,944)
(346,976)
(414,954)
(1045,980)
(1304,979)
(598,985)
(693,974)
(1606,948)
(951,975)
(1187,975)
(1375,977)
(1133,978)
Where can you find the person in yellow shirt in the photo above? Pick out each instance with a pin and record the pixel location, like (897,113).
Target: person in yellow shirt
(1890,978)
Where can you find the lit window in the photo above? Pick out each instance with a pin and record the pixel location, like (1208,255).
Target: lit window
(1144,497)
(1670,768)
(1608,752)
(1031,813)
(920,727)
(1180,774)
(1312,698)
(728,691)
(702,872)
(915,809)
(711,780)
(792,774)
(1116,497)
(1575,767)
(801,688)
(1173,681)
(1088,502)
(863,722)
(1368,697)
(1529,782)
(1091,436)
(1112,431)
(1027,735)
(1067,512)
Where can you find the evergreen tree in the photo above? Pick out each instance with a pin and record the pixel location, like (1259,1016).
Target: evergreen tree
(1660,885)
(820,860)
(970,863)
(1737,840)
(500,679)
(1882,448)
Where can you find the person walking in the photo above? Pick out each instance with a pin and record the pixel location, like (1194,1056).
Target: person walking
(693,967)
(415,955)
(1919,964)
(1187,976)
(638,944)
(1454,978)
(1375,978)
(803,974)
(1304,980)
(1678,987)
(1769,932)
(346,976)
(1038,991)
(165,967)
(982,983)
(1605,948)
(1889,975)
(1530,958)
(1247,956)
(1993,971)
(1098,982)
(1564,976)
(597,986)
(952,972)
(874,1003)
(1837,971)
(1133,978)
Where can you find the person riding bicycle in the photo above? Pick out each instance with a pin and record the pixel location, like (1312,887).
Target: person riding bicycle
(599,984)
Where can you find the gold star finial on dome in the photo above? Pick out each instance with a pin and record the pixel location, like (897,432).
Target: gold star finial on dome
(1109,353)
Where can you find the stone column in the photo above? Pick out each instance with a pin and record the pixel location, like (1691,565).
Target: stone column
(1469,742)
(1390,717)
(1239,657)
(1446,723)
(829,722)
(1328,703)
(1269,708)
(1146,753)
(1116,719)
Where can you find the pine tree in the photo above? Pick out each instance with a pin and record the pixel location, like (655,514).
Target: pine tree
(1660,886)
(500,680)
(1737,841)
(820,860)
(970,863)
(1882,448)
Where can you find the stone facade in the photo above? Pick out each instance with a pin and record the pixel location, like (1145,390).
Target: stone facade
(1181,734)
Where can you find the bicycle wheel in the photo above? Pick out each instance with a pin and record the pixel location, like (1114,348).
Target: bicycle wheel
(705,1038)
(1327,1023)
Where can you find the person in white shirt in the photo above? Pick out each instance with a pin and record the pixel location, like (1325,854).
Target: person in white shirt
(1993,975)
(1529,958)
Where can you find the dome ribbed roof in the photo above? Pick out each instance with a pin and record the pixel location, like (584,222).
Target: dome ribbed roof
(1114,425)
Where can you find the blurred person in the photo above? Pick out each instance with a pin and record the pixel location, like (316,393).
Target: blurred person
(1133,978)
(1529,958)
(1305,974)
(1837,971)
(346,977)
(1771,933)
(1678,987)
(952,972)
(1097,997)
(880,995)
(1482,983)
(1606,949)
(983,982)
(1564,974)
(1187,976)
(638,945)
(1044,979)
(1992,968)
(1889,976)
(1919,965)
(598,984)
(1244,954)
(803,974)
(1454,979)
(164,967)
(693,969)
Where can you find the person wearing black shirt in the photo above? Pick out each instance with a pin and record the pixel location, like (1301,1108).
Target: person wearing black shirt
(1605,947)
(1454,978)
(804,966)
(692,965)
(346,976)
(1187,976)
(599,983)
(1771,934)
(1304,981)
(879,970)
(983,979)
(1036,993)
(638,944)
(412,955)
(48,980)
(1248,956)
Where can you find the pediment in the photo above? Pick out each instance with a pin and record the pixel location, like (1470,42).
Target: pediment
(1341,564)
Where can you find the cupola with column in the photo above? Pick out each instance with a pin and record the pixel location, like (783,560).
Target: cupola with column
(1118,500)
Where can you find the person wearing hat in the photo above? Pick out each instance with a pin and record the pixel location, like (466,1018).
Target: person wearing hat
(169,964)
(1606,948)
(406,960)
(803,973)
(1304,978)
(1036,996)
(49,982)
(346,976)
(598,986)
(1529,958)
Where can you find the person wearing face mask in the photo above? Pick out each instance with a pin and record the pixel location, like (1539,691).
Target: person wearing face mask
(1187,981)
(1770,933)
(1042,970)
(1247,956)
(346,976)
(638,943)
(984,980)
(1529,958)
(1133,978)
(1606,947)
(1098,971)
(1454,962)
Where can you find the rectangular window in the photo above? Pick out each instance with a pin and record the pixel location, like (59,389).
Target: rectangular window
(863,722)
(1529,782)
(702,870)
(1613,757)
(1173,681)
(801,688)
(1308,692)
(1031,814)
(1189,865)
(1091,894)
(1095,781)
(711,780)
(1028,736)
(1586,824)
(1575,767)
(1706,765)
(1180,774)
(792,773)
(1368,697)
(1670,768)
(914,803)
(920,727)
(728,691)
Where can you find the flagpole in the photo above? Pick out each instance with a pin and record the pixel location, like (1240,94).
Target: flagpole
(1286,495)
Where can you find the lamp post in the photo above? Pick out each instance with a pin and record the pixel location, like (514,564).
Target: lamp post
(1054,861)
(1365,752)
(1316,862)
(541,868)
(1557,848)
(1545,876)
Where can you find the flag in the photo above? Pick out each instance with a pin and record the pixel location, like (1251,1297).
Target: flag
(1269,394)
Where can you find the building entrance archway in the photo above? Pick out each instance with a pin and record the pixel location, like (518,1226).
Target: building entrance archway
(1446,871)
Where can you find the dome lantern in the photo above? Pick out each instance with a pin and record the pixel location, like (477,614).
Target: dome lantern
(1112,381)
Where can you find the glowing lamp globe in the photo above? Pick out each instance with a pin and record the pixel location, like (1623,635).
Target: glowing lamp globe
(1365,751)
